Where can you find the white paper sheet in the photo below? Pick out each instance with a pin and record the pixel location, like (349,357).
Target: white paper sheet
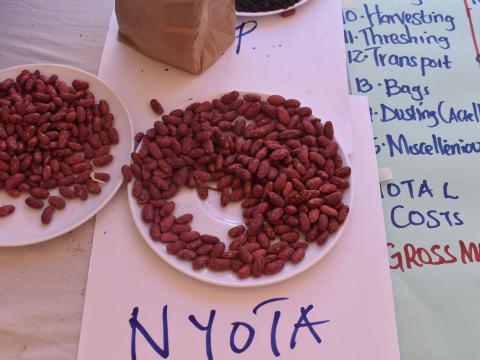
(350,287)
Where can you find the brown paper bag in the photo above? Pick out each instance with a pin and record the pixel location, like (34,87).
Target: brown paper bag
(189,34)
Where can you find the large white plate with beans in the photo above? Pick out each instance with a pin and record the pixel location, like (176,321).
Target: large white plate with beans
(170,171)
(48,151)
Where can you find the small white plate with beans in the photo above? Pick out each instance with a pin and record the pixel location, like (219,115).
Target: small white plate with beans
(64,135)
(240,189)
(272,12)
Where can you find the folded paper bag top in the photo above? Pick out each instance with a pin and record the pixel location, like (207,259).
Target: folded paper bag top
(189,34)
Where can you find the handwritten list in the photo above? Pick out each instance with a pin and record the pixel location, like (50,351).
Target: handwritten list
(418,62)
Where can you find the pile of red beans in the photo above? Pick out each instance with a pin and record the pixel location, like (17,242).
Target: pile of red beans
(276,159)
(52,136)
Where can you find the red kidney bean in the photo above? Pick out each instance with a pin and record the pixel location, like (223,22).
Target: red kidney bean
(168,237)
(285,254)
(6,210)
(81,192)
(39,193)
(82,178)
(328,129)
(210,239)
(57,202)
(217,264)
(67,193)
(127,173)
(276,100)
(103,160)
(189,236)
(184,219)
(194,245)
(236,231)
(166,223)
(186,254)
(204,249)
(102,177)
(258,266)
(274,267)
(155,232)
(156,107)
(47,214)
(200,262)
(13,181)
(93,187)
(322,238)
(244,271)
(245,255)
(202,190)
(34,203)
(329,211)
(80,84)
(174,247)
(179,228)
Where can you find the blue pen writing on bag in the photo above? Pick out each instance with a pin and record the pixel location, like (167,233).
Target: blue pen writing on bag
(243,30)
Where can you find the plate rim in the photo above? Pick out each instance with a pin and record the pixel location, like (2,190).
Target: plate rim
(269,280)
(268,13)
(117,186)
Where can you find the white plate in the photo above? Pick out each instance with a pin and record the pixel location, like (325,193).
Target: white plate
(24,227)
(210,218)
(273,12)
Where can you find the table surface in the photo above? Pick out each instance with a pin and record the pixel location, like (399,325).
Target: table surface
(42,286)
